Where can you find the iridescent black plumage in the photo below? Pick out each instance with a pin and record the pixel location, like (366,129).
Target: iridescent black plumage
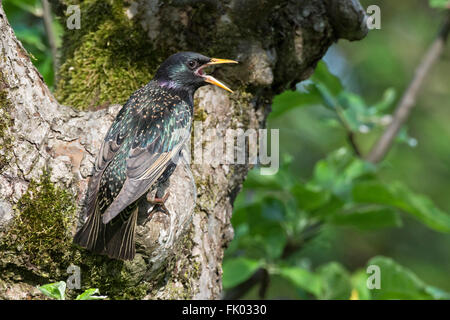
(139,150)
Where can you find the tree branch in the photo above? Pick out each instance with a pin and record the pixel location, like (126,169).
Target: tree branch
(408,100)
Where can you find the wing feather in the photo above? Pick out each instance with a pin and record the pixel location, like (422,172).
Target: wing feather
(111,145)
(159,137)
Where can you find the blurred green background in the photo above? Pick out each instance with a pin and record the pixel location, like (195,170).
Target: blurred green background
(388,58)
(381,64)
(310,231)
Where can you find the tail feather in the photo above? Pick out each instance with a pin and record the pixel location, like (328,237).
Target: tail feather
(120,242)
(115,239)
(89,235)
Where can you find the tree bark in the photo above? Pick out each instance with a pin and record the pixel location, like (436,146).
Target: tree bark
(179,255)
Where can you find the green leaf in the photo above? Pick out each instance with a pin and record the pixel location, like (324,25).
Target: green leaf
(322,88)
(354,110)
(329,101)
(441,4)
(237,270)
(54,290)
(240,215)
(260,227)
(32,6)
(367,218)
(336,282)
(265,226)
(386,102)
(31,37)
(328,171)
(266,182)
(316,201)
(329,208)
(359,283)
(90,294)
(45,67)
(398,282)
(265,215)
(400,197)
(302,279)
(351,118)
(289,100)
(323,76)
(339,171)
(274,244)
(437,293)
(309,197)
(349,100)
(273,209)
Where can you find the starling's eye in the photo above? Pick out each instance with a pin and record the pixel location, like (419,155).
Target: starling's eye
(192,64)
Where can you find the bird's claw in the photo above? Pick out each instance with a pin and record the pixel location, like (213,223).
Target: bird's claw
(159,205)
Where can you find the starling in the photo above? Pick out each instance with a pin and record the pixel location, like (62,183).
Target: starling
(139,152)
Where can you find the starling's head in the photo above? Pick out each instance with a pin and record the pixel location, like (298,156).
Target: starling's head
(184,70)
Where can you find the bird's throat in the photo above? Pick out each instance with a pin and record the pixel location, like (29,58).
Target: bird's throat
(168,84)
(186,94)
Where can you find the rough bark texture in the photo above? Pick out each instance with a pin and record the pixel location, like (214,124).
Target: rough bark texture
(179,255)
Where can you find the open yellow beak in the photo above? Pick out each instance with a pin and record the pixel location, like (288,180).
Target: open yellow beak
(211,79)
(220,61)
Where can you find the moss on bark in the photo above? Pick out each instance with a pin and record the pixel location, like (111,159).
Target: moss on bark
(105,60)
(111,55)
(39,236)
(37,246)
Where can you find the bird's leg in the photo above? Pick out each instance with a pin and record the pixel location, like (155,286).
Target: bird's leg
(160,197)
(145,209)
(149,204)
(160,202)
(157,200)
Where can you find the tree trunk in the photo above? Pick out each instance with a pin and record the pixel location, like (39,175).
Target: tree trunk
(116,50)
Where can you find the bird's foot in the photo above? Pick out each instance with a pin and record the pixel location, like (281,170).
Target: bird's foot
(159,201)
(159,205)
(156,200)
